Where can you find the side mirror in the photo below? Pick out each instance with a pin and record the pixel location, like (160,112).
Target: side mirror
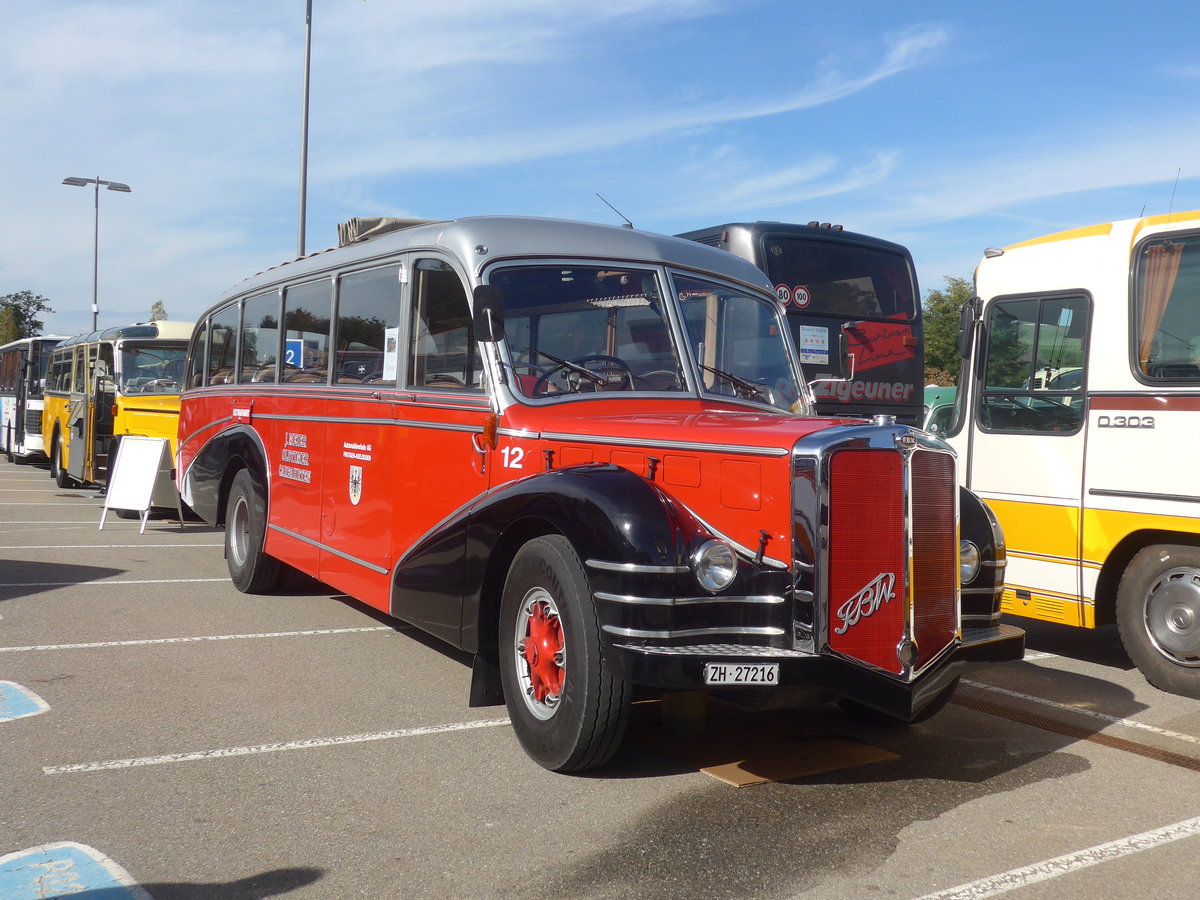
(845,359)
(966,326)
(488,313)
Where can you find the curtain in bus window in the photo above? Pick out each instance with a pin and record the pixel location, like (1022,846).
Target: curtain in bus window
(306,331)
(367,327)
(1169,338)
(444,353)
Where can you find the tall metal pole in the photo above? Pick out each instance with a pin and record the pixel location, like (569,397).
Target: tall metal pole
(96,261)
(75,181)
(304,130)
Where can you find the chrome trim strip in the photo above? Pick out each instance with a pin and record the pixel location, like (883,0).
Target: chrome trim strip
(327,549)
(369,420)
(1142,495)
(764,599)
(690,632)
(670,445)
(636,568)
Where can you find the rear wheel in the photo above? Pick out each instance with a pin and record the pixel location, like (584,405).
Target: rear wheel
(568,711)
(250,568)
(1158,615)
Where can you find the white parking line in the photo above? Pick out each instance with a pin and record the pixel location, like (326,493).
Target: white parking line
(224,752)
(25,584)
(1070,862)
(187,640)
(1104,717)
(97,546)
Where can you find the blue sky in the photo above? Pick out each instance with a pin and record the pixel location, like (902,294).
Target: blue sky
(948,127)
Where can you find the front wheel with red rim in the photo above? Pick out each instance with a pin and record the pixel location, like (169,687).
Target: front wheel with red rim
(568,711)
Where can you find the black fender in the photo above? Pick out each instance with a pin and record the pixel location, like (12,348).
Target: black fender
(205,482)
(450,583)
(978,524)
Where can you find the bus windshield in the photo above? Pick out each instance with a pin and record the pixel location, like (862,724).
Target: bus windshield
(842,279)
(586,329)
(152,368)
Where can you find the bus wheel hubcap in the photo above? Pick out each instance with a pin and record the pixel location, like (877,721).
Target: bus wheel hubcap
(1173,614)
(540,653)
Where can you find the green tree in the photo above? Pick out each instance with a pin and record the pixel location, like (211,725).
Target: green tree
(8,326)
(25,307)
(941,329)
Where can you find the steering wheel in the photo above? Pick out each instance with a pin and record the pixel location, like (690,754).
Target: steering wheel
(612,370)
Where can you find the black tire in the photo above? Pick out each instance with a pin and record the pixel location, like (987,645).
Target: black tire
(872,716)
(1158,616)
(20,460)
(567,710)
(57,472)
(252,570)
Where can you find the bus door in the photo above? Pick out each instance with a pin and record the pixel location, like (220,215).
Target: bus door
(80,415)
(389,484)
(1027,443)
(103,399)
(26,370)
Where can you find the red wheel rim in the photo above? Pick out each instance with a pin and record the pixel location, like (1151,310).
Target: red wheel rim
(541,653)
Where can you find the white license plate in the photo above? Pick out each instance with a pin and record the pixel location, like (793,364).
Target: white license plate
(760,674)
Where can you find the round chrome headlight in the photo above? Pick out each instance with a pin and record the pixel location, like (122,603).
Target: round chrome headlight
(968,561)
(715,564)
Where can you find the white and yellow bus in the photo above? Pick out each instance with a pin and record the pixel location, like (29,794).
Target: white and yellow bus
(107,384)
(1078,420)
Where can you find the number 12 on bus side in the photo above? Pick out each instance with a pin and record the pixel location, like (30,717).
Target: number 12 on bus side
(758,673)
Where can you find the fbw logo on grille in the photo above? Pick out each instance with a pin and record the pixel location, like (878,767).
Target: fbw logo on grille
(867,601)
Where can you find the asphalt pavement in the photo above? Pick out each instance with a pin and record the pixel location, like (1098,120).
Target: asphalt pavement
(164,735)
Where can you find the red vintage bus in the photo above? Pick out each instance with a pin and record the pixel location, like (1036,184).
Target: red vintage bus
(582,454)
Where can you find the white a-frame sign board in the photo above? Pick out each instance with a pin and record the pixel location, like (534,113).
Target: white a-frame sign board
(141,477)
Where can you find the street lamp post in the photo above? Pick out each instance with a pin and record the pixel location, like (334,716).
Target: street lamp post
(112,186)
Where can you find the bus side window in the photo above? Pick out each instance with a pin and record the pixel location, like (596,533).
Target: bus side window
(222,345)
(367,327)
(260,338)
(444,353)
(306,331)
(1168,335)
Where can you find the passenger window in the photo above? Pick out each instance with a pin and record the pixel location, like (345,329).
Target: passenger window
(444,353)
(1166,312)
(1034,379)
(222,345)
(367,327)
(260,339)
(306,331)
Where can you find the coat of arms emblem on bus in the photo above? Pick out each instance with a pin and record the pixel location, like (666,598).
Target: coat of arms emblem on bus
(866,602)
(355,484)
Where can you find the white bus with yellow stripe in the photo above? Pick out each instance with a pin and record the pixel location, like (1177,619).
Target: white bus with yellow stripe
(1078,420)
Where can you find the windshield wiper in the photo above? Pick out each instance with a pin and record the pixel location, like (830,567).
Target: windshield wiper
(750,389)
